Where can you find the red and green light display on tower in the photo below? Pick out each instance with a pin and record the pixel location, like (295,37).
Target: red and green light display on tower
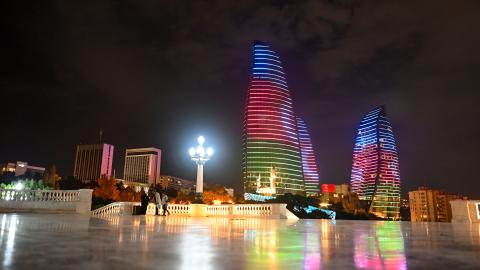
(272,157)
(375,171)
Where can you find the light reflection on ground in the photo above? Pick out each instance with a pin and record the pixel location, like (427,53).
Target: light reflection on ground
(126,242)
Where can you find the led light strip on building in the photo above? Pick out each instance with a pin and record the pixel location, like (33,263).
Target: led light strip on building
(375,170)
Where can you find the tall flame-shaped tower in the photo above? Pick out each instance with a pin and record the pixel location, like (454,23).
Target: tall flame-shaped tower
(270,138)
(309,161)
(375,171)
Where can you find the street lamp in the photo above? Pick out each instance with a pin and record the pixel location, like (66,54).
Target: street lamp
(200,156)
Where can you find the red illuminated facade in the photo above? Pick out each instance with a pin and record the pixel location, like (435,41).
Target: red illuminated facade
(375,171)
(270,139)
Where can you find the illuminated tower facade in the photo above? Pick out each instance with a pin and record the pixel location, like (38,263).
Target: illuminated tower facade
(375,171)
(270,138)
(309,161)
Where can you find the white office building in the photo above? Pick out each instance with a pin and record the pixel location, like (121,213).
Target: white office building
(142,165)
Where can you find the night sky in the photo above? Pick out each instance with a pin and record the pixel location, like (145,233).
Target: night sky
(160,73)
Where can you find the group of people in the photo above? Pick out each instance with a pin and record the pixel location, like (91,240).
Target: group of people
(161,202)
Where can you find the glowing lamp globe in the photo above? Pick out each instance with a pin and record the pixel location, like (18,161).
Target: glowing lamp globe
(209,151)
(191,152)
(201,140)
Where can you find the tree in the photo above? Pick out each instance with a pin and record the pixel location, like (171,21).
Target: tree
(52,178)
(216,192)
(107,188)
(70,183)
(128,194)
(184,197)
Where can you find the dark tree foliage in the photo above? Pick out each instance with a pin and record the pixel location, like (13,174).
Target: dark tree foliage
(70,183)
(298,204)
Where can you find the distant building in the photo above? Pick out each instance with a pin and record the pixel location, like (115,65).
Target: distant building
(404,210)
(331,193)
(404,203)
(142,165)
(431,205)
(309,160)
(179,184)
(93,161)
(22,168)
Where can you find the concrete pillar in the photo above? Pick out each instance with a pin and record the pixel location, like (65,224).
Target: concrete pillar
(198,210)
(199,188)
(84,205)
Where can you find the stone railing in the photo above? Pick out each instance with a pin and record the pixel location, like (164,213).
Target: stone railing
(78,201)
(218,210)
(253,210)
(116,208)
(174,209)
(274,211)
(39,195)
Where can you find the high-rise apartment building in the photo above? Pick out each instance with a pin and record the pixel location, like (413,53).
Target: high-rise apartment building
(142,165)
(176,183)
(375,170)
(93,161)
(272,153)
(431,205)
(332,193)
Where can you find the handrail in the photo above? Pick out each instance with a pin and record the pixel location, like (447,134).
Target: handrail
(119,208)
(39,195)
(230,210)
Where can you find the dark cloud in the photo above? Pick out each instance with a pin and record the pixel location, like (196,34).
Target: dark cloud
(158,73)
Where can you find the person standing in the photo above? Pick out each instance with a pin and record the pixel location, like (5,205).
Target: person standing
(158,202)
(165,203)
(144,201)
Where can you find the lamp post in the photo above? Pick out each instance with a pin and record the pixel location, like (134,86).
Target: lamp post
(200,156)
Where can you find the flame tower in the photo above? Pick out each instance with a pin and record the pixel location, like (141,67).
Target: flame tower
(309,161)
(270,137)
(375,171)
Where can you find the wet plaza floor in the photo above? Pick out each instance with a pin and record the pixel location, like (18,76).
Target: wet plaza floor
(68,241)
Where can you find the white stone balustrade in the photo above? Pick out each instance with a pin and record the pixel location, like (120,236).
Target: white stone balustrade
(274,211)
(253,210)
(78,201)
(116,208)
(218,210)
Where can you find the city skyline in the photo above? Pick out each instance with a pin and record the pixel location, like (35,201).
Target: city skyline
(150,78)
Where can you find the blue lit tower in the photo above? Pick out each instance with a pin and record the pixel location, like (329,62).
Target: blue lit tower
(375,170)
(270,138)
(309,161)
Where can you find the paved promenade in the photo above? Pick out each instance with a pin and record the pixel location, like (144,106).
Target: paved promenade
(69,241)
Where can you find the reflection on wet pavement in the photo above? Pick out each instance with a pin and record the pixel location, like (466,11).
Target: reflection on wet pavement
(63,241)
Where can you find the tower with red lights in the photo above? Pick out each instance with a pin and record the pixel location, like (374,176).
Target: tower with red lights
(309,161)
(270,137)
(375,170)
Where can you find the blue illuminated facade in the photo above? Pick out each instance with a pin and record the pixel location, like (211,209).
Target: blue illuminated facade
(309,161)
(375,170)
